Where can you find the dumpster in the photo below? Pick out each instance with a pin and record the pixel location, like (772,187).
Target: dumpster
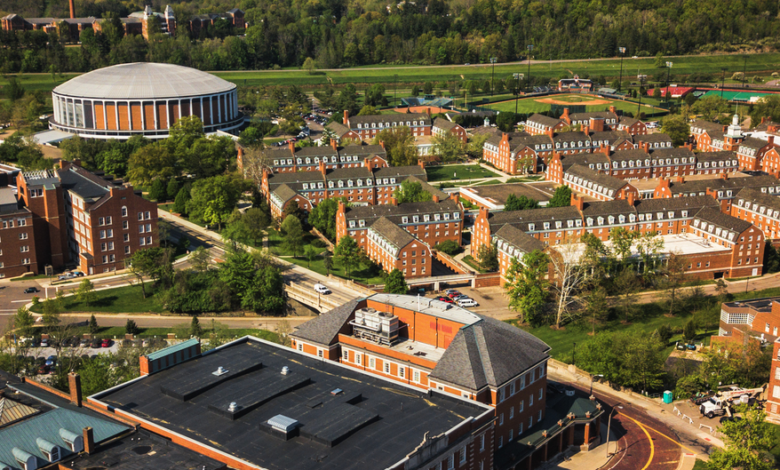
(668,397)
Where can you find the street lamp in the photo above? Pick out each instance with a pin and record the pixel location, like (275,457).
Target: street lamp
(609,423)
(601,376)
(639,106)
(530,48)
(668,69)
(516,91)
(492,74)
(622,54)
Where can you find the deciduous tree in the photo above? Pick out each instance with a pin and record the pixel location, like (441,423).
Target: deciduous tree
(395,283)
(527,287)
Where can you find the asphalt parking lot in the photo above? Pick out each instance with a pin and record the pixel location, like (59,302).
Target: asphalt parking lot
(492,301)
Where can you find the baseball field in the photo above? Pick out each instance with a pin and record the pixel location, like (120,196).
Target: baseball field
(591,102)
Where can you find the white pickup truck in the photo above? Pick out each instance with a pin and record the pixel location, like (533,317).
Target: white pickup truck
(713,407)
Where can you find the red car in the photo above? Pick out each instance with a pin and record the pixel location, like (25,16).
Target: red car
(106,343)
(453,294)
(445,299)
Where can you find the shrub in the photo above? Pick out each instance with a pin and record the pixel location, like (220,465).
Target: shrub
(317,243)
(448,246)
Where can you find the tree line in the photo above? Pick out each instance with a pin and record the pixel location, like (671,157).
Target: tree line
(336,33)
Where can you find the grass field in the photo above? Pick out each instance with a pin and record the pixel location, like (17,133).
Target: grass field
(126,299)
(463,172)
(532,105)
(764,63)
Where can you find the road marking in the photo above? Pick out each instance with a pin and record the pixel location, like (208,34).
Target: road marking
(17,301)
(649,438)
(669,438)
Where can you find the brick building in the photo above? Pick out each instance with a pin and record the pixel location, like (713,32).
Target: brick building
(17,237)
(367,127)
(632,126)
(341,132)
(760,209)
(757,319)
(715,244)
(253,404)
(443,126)
(235,17)
(392,247)
(713,137)
(431,222)
(83,219)
(295,159)
(358,185)
(583,180)
(773,389)
(722,187)
(433,346)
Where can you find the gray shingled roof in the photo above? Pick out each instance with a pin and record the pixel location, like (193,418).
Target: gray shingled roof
(285,193)
(584,159)
(708,126)
(396,117)
(718,183)
(671,152)
(519,239)
(652,138)
(523,218)
(544,120)
(392,233)
(519,142)
(295,177)
(409,208)
(411,170)
(716,156)
(632,154)
(445,124)
(762,199)
(325,328)
(595,115)
(338,128)
(488,353)
(693,203)
(753,143)
(627,121)
(724,221)
(609,182)
(606,208)
(610,136)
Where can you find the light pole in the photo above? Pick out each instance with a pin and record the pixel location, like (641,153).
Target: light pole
(530,48)
(574,355)
(722,81)
(492,74)
(639,106)
(744,72)
(395,91)
(622,54)
(668,69)
(609,423)
(601,376)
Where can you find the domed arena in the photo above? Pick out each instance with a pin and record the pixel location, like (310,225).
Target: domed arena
(146,99)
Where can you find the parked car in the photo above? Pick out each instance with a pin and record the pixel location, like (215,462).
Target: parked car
(45,343)
(690,347)
(84,342)
(96,343)
(453,294)
(50,361)
(43,369)
(460,297)
(31,290)
(450,291)
(467,303)
(78,274)
(321,288)
(445,299)
(680,346)
(106,343)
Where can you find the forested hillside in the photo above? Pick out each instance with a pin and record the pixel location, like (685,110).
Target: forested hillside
(338,33)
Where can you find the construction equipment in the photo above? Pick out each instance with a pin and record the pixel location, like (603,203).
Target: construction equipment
(727,396)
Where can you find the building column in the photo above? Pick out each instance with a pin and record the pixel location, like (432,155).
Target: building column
(116,112)
(587,434)
(546,446)
(168,113)
(192,112)
(105,116)
(92,111)
(211,109)
(143,116)
(129,116)
(202,116)
(219,109)
(571,435)
(156,118)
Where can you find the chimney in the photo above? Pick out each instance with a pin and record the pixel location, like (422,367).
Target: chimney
(724,176)
(428,111)
(646,147)
(679,179)
(323,170)
(605,149)
(612,110)
(771,140)
(435,198)
(725,129)
(72,9)
(586,129)
(504,139)
(345,121)
(342,207)
(393,201)
(89,440)
(483,212)
(421,163)
(663,182)
(382,144)
(74,384)
(334,145)
(565,116)
(577,202)
(291,146)
(549,133)
(631,198)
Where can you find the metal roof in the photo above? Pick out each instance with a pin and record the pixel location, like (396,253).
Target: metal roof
(144,80)
(172,349)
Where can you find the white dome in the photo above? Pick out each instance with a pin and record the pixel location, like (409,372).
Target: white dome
(142,81)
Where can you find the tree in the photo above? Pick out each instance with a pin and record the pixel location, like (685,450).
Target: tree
(561,197)
(213,199)
(710,107)
(395,283)
(200,259)
(747,440)
(309,65)
(657,93)
(323,217)
(257,221)
(348,253)
(131,328)
(156,263)
(487,257)
(449,147)
(506,121)
(677,128)
(182,198)
(527,287)
(766,107)
(689,331)
(428,88)
(514,203)
(771,258)
(368,111)
(86,292)
(293,209)
(597,307)
(195,329)
(411,191)
(476,145)
(626,285)
(93,324)
(293,235)
(23,321)
(150,162)
(659,61)
(172,189)
(571,276)
(399,144)
(327,263)
(674,276)
(449,247)
(159,192)
(415,90)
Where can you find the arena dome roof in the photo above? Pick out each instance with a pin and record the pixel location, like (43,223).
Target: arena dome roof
(144,80)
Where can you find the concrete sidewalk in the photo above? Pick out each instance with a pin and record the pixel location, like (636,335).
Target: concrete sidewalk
(594,459)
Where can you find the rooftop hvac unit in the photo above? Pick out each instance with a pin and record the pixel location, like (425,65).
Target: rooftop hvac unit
(375,326)
(283,423)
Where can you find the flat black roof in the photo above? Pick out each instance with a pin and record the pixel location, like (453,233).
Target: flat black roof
(369,422)
(140,451)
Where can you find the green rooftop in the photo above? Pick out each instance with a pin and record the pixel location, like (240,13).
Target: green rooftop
(173,349)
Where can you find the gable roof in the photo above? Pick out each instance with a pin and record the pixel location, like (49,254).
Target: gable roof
(392,233)
(723,155)
(607,181)
(445,124)
(724,221)
(753,143)
(544,120)
(584,159)
(324,329)
(284,192)
(11,411)
(521,219)
(755,196)
(653,138)
(519,239)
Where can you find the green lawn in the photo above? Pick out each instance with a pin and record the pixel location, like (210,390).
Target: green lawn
(362,275)
(128,299)
(390,75)
(530,106)
(524,179)
(276,240)
(182,331)
(488,182)
(468,259)
(463,172)
(562,341)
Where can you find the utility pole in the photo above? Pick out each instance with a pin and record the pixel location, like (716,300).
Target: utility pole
(639,106)
(530,48)
(722,81)
(744,73)
(492,75)
(395,91)
(668,69)
(622,54)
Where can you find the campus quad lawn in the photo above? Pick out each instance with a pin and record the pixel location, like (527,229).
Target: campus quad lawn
(276,240)
(530,106)
(318,266)
(183,329)
(464,172)
(562,341)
